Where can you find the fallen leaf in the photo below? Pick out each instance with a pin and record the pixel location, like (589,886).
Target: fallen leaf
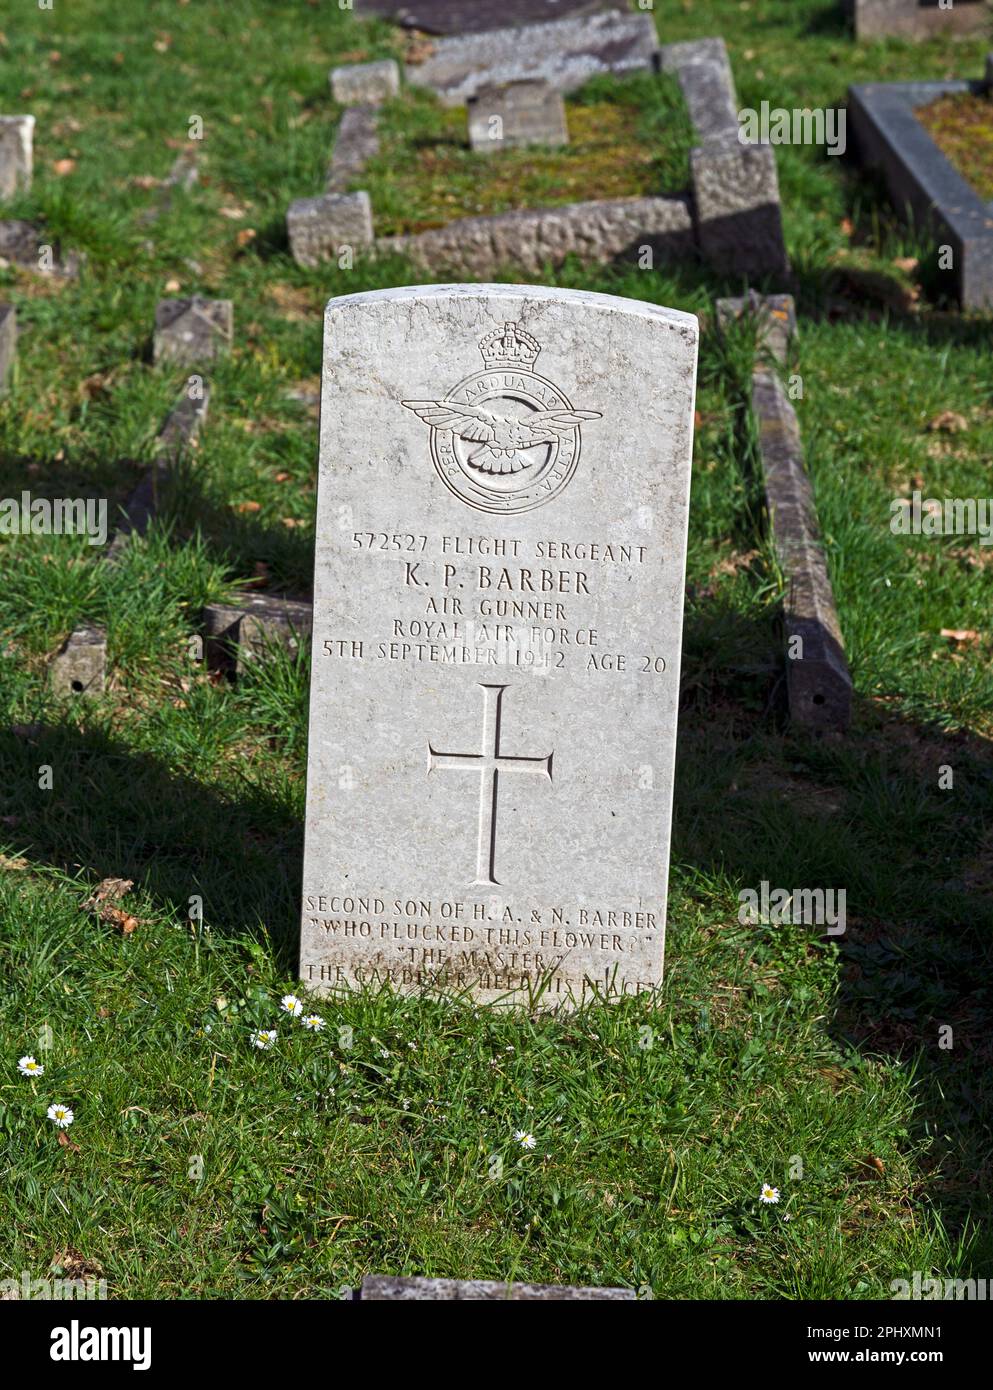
(906,263)
(960,634)
(145,181)
(283,477)
(246,235)
(109,888)
(67,1143)
(117,917)
(7,863)
(847,226)
(172,286)
(248,507)
(292,521)
(234,213)
(948,422)
(63,166)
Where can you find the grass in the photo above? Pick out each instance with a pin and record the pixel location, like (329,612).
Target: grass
(199,1166)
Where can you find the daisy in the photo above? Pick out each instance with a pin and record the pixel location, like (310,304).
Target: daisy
(61,1115)
(770,1195)
(312,1022)
(292,1005)
(27,1066)
(526,1141)
(264,1038)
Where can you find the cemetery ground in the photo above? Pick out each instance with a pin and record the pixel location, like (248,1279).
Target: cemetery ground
(200,1166)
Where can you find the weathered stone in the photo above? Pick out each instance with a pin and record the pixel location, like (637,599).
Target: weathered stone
(564,53)
(918,19)
(244,630)
(497,632)
(818,681)
(365,84)
(182,176)
(357,143)
(922,181)
(8,343)
(385,1288)
(597,232)
(79,667)
(24,244)
(192,330)
(516,115)
(775,316)
(318,228)
(16,137)
(703,70)
(473,16)
(736,199)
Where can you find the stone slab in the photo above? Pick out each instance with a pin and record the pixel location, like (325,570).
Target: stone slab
(244,630)
(818,681)
(565,53)
(597,232)
(474,16)
(703,70)
(890,138)
(775,320)
(79,667)
(736,200)
(318,228)
(25,245)
(192,330)
(356,144)
(16,140)
(386,1288)
(8,343)
(365,84)
(502,507)
(918,19)
(516,115)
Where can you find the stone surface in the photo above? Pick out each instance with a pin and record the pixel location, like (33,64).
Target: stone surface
(385,1288)
(24,244)
(818,681)
(599,232)
(736,200)
(918,19)
(365,84)
(471,16)
(919,178)
(703,69)
(775,316)
(16,139)
(564,53)
(245,630)
(8,343)
(318,228)
(502,507)
(516,115)
(357,143)
(79,667)
(192,330)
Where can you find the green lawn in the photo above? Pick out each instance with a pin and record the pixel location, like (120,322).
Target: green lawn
(200,1166)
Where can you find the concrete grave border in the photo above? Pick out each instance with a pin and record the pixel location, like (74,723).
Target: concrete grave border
(921,179)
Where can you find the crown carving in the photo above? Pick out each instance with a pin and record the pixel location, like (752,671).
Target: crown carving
(509,346)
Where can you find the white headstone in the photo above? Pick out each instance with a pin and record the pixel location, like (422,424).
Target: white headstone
(501,535)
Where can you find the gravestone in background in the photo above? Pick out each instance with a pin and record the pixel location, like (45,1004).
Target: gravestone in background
(16,140)
(515,116)
(501,531)
(472,16)
(918,19)
(192,330)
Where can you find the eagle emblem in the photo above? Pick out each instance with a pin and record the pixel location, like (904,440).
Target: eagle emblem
(504,439)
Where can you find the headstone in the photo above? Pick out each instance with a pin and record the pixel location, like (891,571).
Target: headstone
(516,115)
(357,142)
(240,632)
(918,19)
(318,228)
(27,246)
(8,343)
(192,330)
(16,136)
(385,1288)
(472,16)
(365,84)
(564,53)
(501,529)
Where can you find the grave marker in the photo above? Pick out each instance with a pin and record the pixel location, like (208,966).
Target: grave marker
(501,530)
(192,330)
(16,137)
(516,115)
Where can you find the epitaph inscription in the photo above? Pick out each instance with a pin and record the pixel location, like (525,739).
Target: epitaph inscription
(497,633)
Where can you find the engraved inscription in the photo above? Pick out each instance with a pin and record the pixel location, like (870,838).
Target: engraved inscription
(504,439)
(488,764)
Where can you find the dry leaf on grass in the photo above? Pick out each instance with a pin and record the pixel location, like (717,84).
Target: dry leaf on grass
(948,422)
(248,506)
(67,1143)
(63,166)
(7,863)
(961,634)
(109,888)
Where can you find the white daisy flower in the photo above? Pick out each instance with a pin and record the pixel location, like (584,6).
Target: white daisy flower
(264,1038)
(61,1115)
(312,1022)
(292,1005)
(27,1066)
(770,1195)
(526,1140)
